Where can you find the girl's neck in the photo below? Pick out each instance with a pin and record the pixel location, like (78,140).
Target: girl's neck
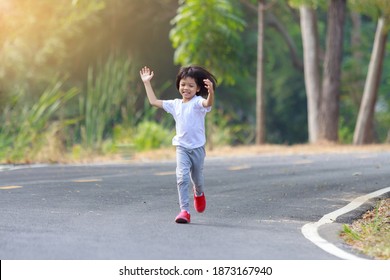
(185,100)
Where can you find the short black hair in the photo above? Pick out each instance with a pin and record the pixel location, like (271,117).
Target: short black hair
(198,73)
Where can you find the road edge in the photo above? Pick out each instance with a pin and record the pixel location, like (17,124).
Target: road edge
(311,230)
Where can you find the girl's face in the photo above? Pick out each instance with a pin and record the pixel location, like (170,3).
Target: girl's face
(188,88)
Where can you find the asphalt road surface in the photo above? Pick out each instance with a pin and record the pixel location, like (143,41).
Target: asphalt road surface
(256,207)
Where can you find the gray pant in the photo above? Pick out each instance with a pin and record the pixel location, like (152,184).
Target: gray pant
(189,168)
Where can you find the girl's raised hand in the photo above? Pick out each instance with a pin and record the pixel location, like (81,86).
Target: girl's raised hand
(146,74)
(209,85)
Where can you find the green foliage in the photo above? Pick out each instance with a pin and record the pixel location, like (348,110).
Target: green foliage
(228,129)
(122,135)
(382,112)
(355,66)
(207,32)
(286,111)
(372,8)
(310,3)
(24,125)
(382,120)
(33,40)
(151,135)
(345,130)
(286,104)
(350,233)
(45,39)
(106,98)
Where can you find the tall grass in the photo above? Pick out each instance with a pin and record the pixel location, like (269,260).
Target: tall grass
(109,119)
(107,99)
(23,125)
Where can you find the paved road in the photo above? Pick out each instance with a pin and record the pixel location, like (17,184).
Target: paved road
(256,208)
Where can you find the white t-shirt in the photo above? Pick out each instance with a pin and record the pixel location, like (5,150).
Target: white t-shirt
(190,121)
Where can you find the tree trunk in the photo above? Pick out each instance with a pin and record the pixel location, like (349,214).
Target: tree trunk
(260,115)
(311,68)
(364,126)
(332,72)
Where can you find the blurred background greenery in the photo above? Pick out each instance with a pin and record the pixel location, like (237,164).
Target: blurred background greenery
(70,87)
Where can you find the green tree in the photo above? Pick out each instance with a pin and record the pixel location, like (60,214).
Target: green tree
(323,98)
(271,15)
(278,45)
(310,39)
(380,10)
(331,83)
(207,32)
(33,40)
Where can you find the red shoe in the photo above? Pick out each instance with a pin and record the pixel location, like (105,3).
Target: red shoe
(183,218)
(200,203)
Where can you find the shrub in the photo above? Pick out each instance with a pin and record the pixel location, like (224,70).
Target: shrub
(151,135)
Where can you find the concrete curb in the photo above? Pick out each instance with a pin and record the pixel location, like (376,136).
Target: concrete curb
(324,233)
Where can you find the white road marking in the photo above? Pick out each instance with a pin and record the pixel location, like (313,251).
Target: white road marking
(165,173)
(87,180)
(10,187)
(310,230)
(239,167)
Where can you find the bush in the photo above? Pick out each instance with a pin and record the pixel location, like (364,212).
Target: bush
(151,135)
(25,127)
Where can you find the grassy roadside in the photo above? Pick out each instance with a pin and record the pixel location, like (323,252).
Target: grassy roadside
(370,234)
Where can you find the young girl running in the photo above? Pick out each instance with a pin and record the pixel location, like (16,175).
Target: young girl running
(196,86)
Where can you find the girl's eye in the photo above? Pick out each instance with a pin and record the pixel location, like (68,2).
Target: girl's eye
(190,85)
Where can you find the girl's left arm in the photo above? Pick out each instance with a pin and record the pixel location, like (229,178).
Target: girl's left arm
(210,98)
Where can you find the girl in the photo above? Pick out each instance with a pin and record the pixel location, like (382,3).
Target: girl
(196,87)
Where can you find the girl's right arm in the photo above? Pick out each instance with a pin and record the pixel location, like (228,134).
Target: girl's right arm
(146,76)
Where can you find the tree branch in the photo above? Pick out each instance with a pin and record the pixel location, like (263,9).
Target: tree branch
(273,21)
